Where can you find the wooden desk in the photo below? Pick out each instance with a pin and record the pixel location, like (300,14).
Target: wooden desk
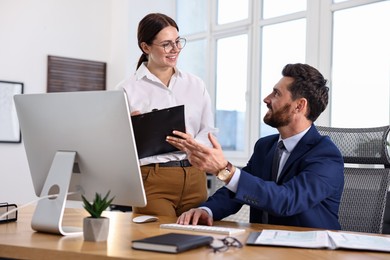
(18,240)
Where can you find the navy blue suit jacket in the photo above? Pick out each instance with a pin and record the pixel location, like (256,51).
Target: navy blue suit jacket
(308,190)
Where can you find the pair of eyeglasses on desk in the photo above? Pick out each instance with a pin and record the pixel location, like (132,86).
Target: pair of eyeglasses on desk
(222,245)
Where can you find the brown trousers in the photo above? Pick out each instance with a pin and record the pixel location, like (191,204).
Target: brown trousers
(170,191)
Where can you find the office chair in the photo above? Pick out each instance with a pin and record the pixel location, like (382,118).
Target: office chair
(367,177)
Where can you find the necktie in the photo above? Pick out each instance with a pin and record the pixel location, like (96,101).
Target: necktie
(276,161)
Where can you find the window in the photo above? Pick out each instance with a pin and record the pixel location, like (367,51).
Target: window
(231,85)
(361,66)
(240,47)
(196,48)
(275,8)
(277,51)
(192,16)
(232,10)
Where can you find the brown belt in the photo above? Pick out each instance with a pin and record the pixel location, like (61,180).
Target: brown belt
(182,163)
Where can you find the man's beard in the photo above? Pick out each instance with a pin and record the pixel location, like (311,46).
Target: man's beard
(278,118)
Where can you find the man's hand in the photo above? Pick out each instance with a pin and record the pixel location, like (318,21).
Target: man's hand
(195,217)
(205,158)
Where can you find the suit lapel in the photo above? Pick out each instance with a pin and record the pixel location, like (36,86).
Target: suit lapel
(303,146)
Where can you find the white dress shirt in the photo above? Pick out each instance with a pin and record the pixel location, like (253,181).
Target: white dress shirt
(146,92)
(289,144)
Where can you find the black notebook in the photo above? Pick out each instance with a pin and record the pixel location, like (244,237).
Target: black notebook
(172,242)
(151,129)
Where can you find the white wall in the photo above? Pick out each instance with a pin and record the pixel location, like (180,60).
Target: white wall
(30,30)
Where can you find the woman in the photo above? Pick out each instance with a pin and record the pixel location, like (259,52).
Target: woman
(172,185)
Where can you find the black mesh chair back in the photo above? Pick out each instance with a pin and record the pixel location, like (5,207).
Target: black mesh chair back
(367,176)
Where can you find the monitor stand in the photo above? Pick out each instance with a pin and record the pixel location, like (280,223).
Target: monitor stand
(50,210)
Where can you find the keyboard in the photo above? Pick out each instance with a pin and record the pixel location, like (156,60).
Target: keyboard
(206,229)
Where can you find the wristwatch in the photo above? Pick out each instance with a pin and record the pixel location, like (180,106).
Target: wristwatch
(225,173)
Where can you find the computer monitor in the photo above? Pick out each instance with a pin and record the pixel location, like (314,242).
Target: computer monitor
(79,142)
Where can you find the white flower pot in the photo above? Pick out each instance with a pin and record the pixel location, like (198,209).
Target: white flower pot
(96,229)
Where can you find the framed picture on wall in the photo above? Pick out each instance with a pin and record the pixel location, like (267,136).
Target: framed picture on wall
(9,123)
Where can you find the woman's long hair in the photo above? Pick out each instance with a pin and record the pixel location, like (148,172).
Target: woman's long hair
(149,27)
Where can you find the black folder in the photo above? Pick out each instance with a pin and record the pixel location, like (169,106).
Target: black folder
(151,129)
(172,242)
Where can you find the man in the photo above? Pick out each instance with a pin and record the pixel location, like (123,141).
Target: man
(307,186)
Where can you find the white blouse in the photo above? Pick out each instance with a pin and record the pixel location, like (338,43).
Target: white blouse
(146,92)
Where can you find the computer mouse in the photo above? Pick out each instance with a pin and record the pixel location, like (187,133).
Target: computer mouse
(145,219)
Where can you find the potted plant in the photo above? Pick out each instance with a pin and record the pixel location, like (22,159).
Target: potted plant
(95,227)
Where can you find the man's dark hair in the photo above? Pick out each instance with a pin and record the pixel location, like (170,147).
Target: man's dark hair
(310,84)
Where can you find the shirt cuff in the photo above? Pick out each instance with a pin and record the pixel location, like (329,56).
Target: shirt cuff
(233,183)
(207,210)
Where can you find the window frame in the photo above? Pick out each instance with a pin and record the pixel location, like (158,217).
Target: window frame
(319,21)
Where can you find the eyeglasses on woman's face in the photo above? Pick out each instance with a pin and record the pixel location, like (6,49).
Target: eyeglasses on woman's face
(168,46)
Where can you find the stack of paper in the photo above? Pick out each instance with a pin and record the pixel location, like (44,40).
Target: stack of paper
(320,239)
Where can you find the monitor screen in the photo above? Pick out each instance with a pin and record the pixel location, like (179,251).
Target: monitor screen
(82,143)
